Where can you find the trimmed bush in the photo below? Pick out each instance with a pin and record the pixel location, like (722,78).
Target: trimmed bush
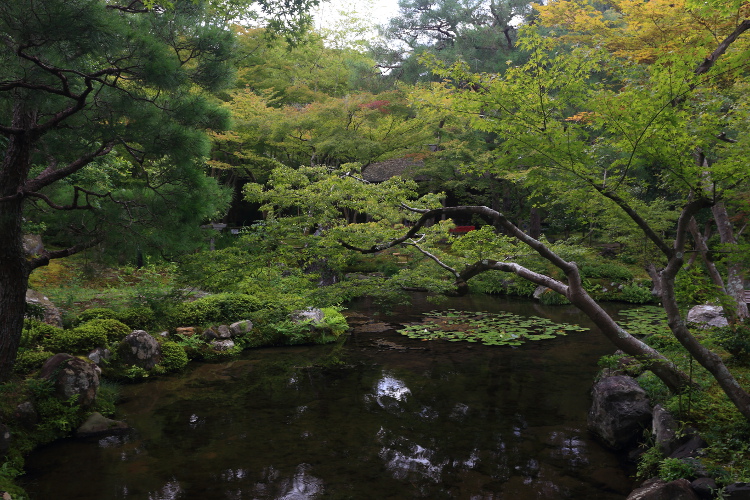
(88,336)
(220,308)
(29,361)
(174,358)
(35,333)
(95,313)
(138,318)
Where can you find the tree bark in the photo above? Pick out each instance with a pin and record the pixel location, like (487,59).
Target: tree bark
(735,270)
(14,268)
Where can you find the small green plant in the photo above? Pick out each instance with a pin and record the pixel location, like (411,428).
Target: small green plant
(671,469)
(648,463)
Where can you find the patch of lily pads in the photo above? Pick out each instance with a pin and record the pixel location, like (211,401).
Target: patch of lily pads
(503,328)
(644,321)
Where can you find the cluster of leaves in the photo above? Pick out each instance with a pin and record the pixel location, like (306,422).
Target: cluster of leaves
(488,328)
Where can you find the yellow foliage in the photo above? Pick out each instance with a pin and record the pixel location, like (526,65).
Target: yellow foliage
(637,30)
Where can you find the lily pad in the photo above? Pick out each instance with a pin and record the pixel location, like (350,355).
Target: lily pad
(502,328)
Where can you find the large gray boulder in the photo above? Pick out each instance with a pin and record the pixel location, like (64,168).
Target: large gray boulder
(707,315)
(240,327)
(71,376)
(140,349)
(657,489)
(619,411)
(50,313)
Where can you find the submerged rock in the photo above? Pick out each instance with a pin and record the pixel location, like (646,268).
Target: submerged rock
(222,345)
(97,425)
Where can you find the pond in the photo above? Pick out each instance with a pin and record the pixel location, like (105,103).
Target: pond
(381,416)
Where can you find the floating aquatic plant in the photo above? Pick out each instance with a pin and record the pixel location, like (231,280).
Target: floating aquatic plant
(648,320)
(503,328)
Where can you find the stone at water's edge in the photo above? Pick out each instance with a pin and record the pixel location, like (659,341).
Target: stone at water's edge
(707,315)
(314,315)
(619,411)
(240,327)
(140,349)
(222,345)
(98,425)
(657,489)
(72,376)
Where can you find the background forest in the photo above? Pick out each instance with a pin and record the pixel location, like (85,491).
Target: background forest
(596,150)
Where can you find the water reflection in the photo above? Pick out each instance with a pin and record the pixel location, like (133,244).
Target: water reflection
(444,422)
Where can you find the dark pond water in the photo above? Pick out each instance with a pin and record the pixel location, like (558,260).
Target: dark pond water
(380,417)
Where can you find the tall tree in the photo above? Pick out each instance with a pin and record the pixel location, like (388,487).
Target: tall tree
(481,33)
(82,81)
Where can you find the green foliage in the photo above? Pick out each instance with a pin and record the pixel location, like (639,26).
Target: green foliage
(692,286)
(138,318)
(29,361)
(648,463)
(490,329)
(95,313)
(87,336)
(671,469)
(606,270)
(223,307)
(552,298)
(35,333)
(636,294)
(174,358)
(735,339)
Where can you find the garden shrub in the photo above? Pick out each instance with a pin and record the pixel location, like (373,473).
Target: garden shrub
(95,313)
(606,270)
(88,336)
(174,358)
(223,307)
(138,318)
(552,298)
(636,294)
(735,339)
(35,332)
(29,361)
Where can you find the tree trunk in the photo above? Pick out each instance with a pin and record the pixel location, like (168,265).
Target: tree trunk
(707,359)
(13,283)
(735,271)
(14,268)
